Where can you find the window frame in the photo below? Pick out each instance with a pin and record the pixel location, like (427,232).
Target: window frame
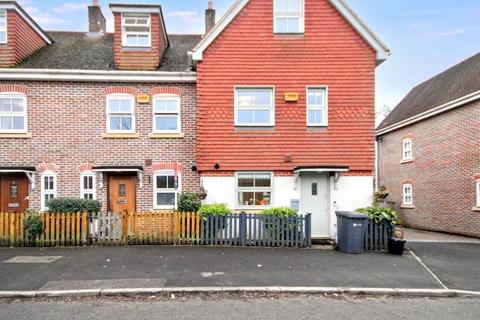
(92,191)
(324,109)
(167,114)
(126,33)
(405,195)
(254,88)
(43,192)
(405,150)
(5,29)
(108,114)
(166,190)
(254,189)
(16,95)
(301,17)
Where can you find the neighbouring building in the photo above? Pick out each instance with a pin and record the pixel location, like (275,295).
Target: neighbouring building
(273,106)
(429,152)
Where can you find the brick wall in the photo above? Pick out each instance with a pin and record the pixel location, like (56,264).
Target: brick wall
(23,41)
(446,158)
(127,58)
(67,120)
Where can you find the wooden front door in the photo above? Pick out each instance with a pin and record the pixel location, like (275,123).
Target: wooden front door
(122,193)
(13,193)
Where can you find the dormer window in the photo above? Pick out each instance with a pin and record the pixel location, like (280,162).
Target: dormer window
(3,26)
(289,16)
(136,30)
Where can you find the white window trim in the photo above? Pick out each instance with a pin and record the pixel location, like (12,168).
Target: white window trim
(478,192)
(253,189)
(16,95)
(179,113)
(405,150)
(125,33)
(159,190)
(4,12)
(404,202)
(325,108)
(84,191)
(44,192)
(255,88)
(122,96)
(302,19)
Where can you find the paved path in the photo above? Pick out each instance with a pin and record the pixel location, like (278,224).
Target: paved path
(414,235)
(283,308)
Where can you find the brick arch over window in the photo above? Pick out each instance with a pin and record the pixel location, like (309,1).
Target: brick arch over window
(47,167)
(477,176)
(167,166)
(85,167)
(407,182)
(121,90)
(163,90)
(13,88)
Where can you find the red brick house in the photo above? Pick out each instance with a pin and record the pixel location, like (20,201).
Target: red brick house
(274,106)
(429,155)
(285,96)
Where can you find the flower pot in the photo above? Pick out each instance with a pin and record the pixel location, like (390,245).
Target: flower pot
(396,246)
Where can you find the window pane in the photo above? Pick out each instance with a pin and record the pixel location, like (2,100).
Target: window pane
(126,106)
(172,105)
(130,21)
(245,98)
(293,25)
(143,40)
(245,117)
(262,117)
(262,180)
(294,7)
(262,198)
(315,117)
(113,105)
(17,105)
(115,123)
(2,21)
(126,123)
(281,6)
(166,123)
(282,25)
(18,123)
(131,40)
(263,98)
(160,105)
(246,198)
(162,182)
(6,123)
(3,36)
(137,29)
(165,199)
(246,180)
(5,105)
(171,182)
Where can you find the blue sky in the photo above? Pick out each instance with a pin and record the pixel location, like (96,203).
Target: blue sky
(425,36)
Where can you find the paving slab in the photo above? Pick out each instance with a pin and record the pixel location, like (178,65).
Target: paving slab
(415,235)
(169,266)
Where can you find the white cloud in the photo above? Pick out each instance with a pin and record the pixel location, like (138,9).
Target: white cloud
(420,25)
(183,14)
(71,6)
(46,19)
(451,33)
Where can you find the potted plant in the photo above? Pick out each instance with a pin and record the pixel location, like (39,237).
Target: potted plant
(202,194)
(381,194)
(396,246)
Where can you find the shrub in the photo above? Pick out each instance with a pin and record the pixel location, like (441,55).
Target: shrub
(71,205)
(219,209)
(188,202)
(32,226)
(283,212)
(380,215)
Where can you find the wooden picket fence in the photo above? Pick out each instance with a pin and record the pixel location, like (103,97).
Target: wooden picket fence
(377,235)
(163,228)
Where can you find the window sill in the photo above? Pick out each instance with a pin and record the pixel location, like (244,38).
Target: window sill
(406,161)
(136,49)
(404,206)
(166,135)
(15,135)
(477,209)
(120,135)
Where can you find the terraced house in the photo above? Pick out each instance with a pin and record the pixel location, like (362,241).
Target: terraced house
(273,106)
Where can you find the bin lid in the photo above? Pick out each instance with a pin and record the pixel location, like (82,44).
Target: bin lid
(354,215)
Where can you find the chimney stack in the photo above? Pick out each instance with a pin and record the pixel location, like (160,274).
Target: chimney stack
(96,20)
(209,17)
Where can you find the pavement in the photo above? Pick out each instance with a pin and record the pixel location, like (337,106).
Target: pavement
(303,307)
(414,235)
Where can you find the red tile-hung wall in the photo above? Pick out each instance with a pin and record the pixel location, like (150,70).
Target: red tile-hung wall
(247,52)
(127,58)
(23,41)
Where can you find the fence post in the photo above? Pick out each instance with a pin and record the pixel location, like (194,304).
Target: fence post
(12,229)
(243,229)
(308,230)
(84,228)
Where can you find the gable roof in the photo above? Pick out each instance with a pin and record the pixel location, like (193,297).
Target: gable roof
(80,51)
(452,88)
(342,7)
(13,5)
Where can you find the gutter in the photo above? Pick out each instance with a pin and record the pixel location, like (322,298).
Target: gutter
(430,113)
(97,76)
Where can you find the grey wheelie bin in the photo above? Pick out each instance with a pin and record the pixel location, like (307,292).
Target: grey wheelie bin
(351,228)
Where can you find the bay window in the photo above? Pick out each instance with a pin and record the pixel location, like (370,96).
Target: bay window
(254,189)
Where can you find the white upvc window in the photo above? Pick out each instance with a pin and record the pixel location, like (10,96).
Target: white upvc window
(3,27)
(136,30)
(478,193)
(407,149)
(317,106)
(407,195)
(165,190)
(254,189)
(13,113)
(120,113)
(289,16)
(88,188)
(254,107)
(166,114)
(48,188)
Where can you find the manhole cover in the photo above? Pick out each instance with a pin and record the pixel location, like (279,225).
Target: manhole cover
(33,259)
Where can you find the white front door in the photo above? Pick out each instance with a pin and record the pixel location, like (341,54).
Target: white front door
(315,199)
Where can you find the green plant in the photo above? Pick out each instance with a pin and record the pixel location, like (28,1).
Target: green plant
(275,226)
(70,205)
(380,215)
(32,225)
(217,209)
(188,202)
(381,194)
(283,212)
